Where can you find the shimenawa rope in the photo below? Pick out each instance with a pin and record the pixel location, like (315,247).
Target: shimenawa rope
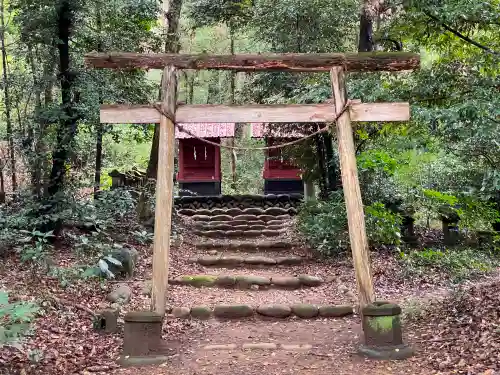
(159,108)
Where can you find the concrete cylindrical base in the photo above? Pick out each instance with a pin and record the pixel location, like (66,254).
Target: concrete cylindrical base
(383,333)
(142,333)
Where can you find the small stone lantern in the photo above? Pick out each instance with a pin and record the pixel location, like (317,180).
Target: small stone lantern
(382,332)
(142,342)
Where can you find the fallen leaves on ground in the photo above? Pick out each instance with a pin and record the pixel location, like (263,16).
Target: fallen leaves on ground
(461,333)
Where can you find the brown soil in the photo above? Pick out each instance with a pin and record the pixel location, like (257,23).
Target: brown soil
(65,337)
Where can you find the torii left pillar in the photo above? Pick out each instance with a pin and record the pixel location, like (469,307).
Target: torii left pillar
(164,191)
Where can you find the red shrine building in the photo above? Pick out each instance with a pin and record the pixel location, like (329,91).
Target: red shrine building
(199,163)
(199,170)
(280,175)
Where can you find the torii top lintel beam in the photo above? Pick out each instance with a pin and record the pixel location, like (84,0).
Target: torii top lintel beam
(294,62)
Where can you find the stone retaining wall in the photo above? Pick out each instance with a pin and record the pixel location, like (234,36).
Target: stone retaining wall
(233,312)
(238,201)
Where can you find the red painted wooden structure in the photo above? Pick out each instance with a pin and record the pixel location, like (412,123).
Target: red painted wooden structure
(199,162)
(276,166)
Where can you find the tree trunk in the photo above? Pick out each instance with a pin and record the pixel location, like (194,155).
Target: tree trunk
(48,96)
(2,183)
(33,135)
(171,16)
(99,126)
(68,124)
(323,186)
(10,136)
(331,173)
(368,16)
(232,89)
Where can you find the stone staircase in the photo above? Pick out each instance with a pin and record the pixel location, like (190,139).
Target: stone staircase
(247,266)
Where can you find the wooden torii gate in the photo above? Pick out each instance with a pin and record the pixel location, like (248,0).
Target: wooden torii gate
(167,113)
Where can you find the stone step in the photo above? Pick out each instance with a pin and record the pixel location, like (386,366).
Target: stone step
(277,225)
(249,281)
(276,311)
(239,233)
(248,246)
(244,218)
(234,261)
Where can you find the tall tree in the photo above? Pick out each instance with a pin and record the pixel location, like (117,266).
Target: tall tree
(367,17)
(8,107)
(170,19)
(68,124)
(99,126)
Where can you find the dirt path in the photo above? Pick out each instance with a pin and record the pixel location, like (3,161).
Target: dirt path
(261,345)
(291,347)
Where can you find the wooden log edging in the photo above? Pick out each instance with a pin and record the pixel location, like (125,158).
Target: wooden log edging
(248,281)
(276,311)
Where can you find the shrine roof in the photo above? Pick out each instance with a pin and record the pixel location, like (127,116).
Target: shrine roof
(261,130)
(226,130)
(206,130)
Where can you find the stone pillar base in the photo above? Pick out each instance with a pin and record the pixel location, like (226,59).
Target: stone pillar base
(383,333)
(142,342)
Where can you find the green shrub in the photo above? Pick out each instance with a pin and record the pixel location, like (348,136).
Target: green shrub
(14,319)
(382,225)
(324,225)
(458,264)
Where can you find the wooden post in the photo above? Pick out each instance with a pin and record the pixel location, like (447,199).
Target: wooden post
(352,192)
(164,192)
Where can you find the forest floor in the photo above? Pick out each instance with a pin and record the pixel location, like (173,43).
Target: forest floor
(452,333)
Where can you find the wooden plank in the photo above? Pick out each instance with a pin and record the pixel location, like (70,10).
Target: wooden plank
(164,193)
(144,114)
(352,192)
(294,62)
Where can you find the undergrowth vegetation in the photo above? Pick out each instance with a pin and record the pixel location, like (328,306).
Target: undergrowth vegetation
(459,264)
(324,225)
(15,318)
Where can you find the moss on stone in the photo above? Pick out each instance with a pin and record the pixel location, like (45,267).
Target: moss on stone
(199,280)
(381,323)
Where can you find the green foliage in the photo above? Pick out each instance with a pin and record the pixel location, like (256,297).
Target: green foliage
(249,166)
(143,237)
(237,13)
(376,160)
(459,264)
(382,225)
(36,247)
(324,225)
(14,319)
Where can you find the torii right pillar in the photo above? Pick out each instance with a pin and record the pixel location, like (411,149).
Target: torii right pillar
(380,320)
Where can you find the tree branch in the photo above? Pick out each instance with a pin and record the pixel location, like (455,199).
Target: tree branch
(461,36)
